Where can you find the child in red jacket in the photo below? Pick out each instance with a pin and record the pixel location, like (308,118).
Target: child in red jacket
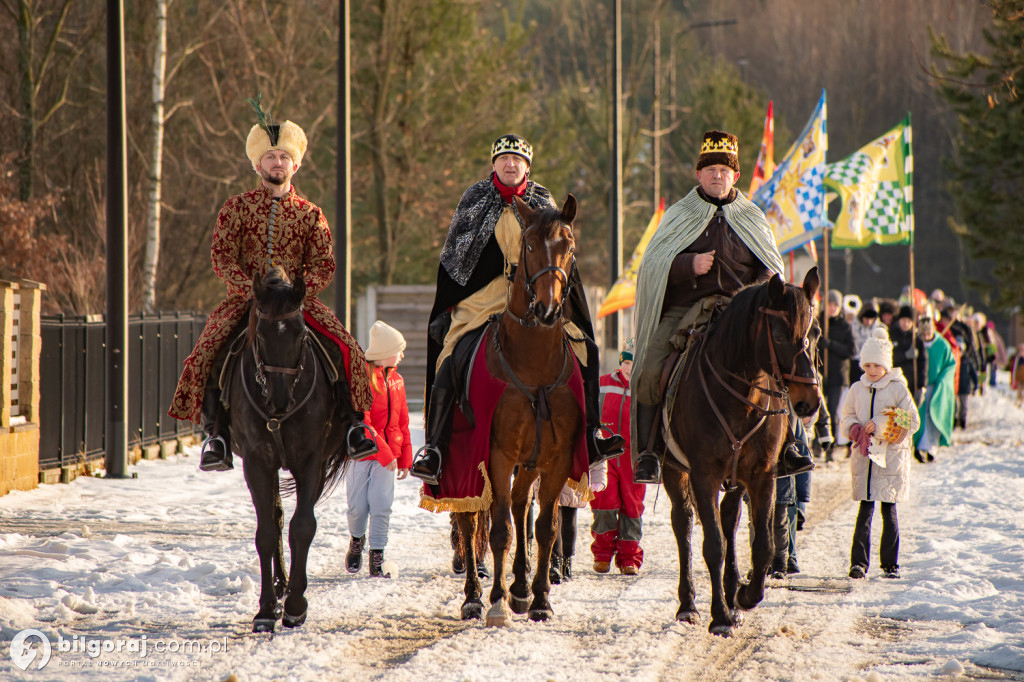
(618,508)
(370,483)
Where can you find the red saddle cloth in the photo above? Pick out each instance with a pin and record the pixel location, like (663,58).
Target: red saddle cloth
(465,485)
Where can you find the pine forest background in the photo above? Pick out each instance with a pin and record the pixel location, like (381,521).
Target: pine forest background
(435,81)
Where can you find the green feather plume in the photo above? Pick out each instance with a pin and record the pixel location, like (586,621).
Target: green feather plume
(263,119)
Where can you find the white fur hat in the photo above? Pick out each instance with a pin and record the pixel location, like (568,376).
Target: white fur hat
(877,349)
(385,341)
(852,303)
(290,138)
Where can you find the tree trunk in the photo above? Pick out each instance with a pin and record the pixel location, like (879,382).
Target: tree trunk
(152,253)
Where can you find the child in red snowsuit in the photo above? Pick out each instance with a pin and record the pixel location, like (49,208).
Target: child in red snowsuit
(618,508)
(370,483)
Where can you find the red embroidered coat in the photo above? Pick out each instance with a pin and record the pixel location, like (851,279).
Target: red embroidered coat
(246,243)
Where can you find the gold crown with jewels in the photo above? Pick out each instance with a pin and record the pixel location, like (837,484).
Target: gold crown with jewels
(723,145)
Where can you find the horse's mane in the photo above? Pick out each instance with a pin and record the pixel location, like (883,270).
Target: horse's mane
(733,331)
(277,289)
(547,218)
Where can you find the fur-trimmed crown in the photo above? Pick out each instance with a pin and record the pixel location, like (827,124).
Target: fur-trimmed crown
(719,147)
(512,144)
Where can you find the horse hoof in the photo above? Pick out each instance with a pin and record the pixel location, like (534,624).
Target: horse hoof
(721,629)
(690,617)
(263,624)
(540,615)
(472,610)
(290,621)
(498,616)
(519,604)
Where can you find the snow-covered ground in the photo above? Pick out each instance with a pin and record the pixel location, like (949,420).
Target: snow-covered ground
(163,567)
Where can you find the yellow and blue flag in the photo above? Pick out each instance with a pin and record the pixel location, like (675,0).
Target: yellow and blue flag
(623,292)
(876,190)
(793,198)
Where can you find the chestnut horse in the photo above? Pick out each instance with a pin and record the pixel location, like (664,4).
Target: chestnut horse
(284,415)
(536,421)
(729,420)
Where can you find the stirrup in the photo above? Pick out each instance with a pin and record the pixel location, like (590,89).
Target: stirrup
(211,460)
(419,470)
(649,474)
(364,451)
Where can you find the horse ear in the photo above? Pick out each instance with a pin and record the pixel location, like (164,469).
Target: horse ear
(257,287)
(569,209)
(776,289)
(525,212)
(811,283)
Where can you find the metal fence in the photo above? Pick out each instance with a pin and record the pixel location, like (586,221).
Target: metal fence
(72,377)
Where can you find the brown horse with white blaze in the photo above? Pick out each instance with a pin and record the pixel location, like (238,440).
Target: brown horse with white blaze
(537,420)
(730,420)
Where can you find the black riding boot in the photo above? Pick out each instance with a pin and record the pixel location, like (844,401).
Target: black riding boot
(216,451)
(360,447)
(429,459)
(598,448)
(791,460)
(647,468)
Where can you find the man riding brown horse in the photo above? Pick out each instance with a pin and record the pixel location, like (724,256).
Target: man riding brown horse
(708,245)
(480,251)
(255,231)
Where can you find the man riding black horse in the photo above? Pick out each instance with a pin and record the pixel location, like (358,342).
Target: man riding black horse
(255,231)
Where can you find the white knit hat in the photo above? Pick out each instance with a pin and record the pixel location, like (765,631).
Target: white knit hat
(385,341)
(877,349)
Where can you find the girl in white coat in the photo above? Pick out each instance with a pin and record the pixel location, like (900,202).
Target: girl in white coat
(878,415)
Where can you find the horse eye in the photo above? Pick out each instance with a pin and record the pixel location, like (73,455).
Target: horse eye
(529,248)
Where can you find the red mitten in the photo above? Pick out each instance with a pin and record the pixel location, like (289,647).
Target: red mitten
(855,432)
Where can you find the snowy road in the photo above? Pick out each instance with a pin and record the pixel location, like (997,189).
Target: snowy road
(169,557)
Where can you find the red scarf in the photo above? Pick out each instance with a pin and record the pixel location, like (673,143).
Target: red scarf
(508,192)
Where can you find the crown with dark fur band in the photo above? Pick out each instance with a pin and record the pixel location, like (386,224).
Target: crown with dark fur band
(512,144)
(719,148)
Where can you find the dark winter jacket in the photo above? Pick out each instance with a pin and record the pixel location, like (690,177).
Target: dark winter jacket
(838,346)
(903,357)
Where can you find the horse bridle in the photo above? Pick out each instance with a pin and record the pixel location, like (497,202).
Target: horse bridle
(530,280)
(777,377)
(274,422)
(777,373)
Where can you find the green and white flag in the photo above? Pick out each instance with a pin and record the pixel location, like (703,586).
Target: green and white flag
(876,192)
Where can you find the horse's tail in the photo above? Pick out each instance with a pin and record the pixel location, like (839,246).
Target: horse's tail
(335,470)
(336,464)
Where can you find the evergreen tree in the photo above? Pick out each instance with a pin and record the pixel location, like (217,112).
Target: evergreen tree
(987,170)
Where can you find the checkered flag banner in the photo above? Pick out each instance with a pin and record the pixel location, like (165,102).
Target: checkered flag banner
(875,188)
(793,197)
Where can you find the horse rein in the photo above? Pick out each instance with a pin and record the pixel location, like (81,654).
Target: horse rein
(775,377)
(274,423)
(539,403)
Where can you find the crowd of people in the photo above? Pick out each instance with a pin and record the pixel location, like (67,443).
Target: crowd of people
(895,374)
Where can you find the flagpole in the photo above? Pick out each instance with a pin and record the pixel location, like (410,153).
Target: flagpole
(913,307)
(824,315)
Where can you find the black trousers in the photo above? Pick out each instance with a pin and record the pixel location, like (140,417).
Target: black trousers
(889,546)
(832,397)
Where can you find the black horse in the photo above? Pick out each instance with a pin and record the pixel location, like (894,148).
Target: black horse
(284,415)
(729,423)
